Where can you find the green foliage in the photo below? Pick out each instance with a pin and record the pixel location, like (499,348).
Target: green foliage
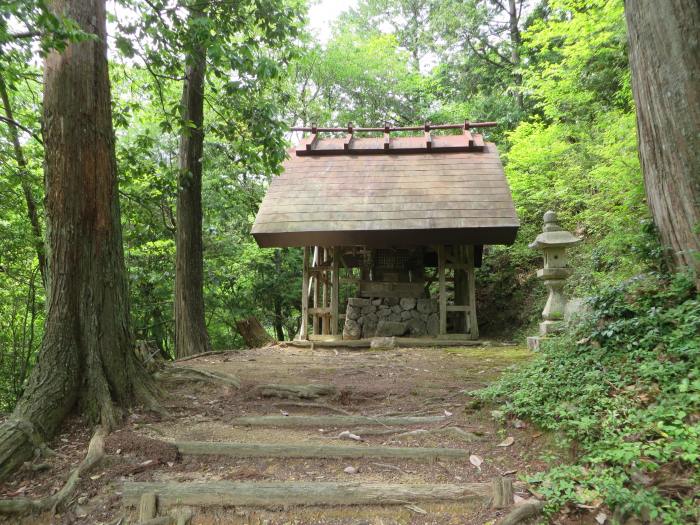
(623,387)
(577,152)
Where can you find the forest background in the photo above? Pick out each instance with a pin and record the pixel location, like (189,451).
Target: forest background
(554,74)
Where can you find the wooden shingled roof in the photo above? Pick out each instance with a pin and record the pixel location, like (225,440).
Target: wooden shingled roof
(389,191)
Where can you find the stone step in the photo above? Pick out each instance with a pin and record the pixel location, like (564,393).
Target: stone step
(334,421)
(288,450)
(276,494)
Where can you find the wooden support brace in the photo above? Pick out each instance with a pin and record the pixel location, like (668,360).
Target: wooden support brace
(468,134)
(315,325)
(311,143)
(471,294)
(387,138)
(469,138)
(458,308)
(442,297)
(319,311)
(335,289)
(304,329)
(347,143)
(325,320)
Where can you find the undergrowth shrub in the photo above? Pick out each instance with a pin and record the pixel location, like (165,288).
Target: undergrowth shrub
(622,389)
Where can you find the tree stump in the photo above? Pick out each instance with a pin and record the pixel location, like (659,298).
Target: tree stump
(502,493)
(147,506)
(253,332)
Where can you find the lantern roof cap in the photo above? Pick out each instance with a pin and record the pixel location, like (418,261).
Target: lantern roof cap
(553,235)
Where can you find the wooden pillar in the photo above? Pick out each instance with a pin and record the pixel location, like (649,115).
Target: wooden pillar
(335,288)
(304,329)
(471,294)
(314,277)
(324,275)
(461,284)
(442,294)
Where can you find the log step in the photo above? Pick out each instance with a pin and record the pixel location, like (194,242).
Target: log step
(333,421)
(275,494)
(283,450)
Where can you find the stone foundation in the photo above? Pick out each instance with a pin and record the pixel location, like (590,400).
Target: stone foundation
(390,316)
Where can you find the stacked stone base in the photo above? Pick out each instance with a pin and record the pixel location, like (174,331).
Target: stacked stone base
(391,316)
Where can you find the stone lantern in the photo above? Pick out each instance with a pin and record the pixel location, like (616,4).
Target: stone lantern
(553,242)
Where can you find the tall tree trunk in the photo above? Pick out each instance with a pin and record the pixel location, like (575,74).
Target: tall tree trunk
(190,328)
(86,357)
(32,212)
(665,61)
(515,42)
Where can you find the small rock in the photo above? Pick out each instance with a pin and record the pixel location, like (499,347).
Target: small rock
(376,302)
(82,500)
(346,434)
(384,313)
(416,327)
(351,329)
(390,328)
(383,342)
(350,470)
(506,442)
(352,313)
(433,325)
(476,461)
(407,303)
(426,306)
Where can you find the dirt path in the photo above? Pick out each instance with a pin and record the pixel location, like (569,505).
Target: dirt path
(424,383)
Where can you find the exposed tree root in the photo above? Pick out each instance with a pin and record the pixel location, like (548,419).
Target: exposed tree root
(94,455)
(522,512)
(201,354)
(182,373)
(294,391)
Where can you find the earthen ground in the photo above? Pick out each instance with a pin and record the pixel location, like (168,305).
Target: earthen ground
(411,381)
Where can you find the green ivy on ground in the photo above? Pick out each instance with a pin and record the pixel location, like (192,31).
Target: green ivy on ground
(622,388)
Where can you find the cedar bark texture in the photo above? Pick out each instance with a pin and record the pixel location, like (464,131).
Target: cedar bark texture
(664,50)
(190,328)
(86,357)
